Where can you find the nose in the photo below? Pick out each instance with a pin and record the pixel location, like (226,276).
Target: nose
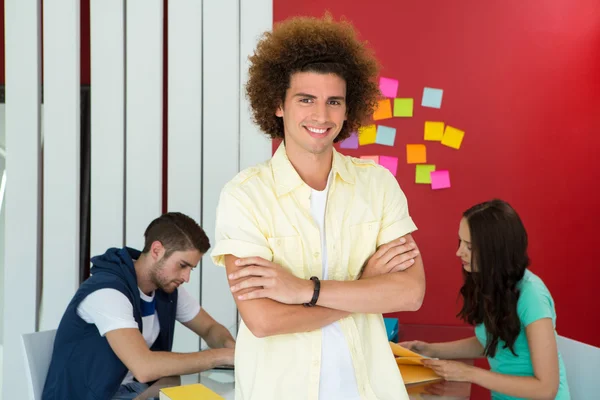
(320,113)
(186,274)
(459,252)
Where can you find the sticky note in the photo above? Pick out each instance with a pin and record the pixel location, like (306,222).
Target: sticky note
(453,137)
(385,135)
(440,179)
(350,142)
(416,154)
(423,173)
(388,87)
(432,97)
(403,107)
(391,163)
(434,131)
(383,110)
(367,134)
(372,158)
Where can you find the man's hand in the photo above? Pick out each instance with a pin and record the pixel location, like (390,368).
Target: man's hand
(394,256)
(270,280)
(226,357)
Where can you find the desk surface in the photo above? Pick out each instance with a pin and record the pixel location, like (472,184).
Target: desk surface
(222,381)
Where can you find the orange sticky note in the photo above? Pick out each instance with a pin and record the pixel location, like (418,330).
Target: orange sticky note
(372,158)
(416,154)
(453,137)
(383,110)
(367,134)
(434,131)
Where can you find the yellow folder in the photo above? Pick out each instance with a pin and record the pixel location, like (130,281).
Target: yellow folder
(405,356)
(189,392)
(417,374)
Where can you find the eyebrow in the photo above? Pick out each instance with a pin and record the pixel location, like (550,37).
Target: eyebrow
(467,242)
(310,96)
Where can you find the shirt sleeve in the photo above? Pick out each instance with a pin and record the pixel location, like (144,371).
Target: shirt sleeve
(187,306)
(108,309)
(237,232)
(396,220)
(534,304)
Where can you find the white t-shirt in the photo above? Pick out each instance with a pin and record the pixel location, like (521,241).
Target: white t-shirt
(110,309)
(338,380)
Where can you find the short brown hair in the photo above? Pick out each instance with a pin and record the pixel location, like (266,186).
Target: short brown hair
(176,232)
(305,44)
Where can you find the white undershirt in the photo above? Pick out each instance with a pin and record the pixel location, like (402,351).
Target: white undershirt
(110,310)
(337,379)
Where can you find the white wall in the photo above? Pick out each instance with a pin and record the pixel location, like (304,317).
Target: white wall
(215,132)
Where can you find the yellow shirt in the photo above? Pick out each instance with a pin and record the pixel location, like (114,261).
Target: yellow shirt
(265,211)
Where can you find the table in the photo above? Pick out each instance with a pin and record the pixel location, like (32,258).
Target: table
(222,381)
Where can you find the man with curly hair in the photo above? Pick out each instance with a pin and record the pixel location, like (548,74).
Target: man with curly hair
(316,245)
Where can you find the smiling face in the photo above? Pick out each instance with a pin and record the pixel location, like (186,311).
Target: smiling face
(313,112)
(464,245)
(168,274)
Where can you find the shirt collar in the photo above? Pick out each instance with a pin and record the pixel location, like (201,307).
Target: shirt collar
(287,179)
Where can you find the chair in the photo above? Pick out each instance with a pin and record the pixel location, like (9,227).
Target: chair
(581,362)
(38,353)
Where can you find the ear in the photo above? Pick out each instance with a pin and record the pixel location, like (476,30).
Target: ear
(279,112)
(157,250)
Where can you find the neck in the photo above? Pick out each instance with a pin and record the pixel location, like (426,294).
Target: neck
(143,266)
(313,168)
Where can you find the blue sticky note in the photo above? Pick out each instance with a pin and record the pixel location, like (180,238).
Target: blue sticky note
(385,135)
(391,327)
(432,97)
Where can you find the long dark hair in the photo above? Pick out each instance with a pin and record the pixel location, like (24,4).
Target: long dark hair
(498,261)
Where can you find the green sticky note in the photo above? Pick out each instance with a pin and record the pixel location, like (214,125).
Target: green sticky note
(403,107)
(423,174)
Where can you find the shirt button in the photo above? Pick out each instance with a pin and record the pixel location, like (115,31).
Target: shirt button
(278,242)
(316,254)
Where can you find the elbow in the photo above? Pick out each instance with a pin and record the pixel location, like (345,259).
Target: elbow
(417,298)
(260,327)
(142,375)
(551,391)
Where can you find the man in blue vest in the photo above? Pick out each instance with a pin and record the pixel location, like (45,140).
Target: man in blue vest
(116,335)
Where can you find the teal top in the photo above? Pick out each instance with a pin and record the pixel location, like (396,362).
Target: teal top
(535,302)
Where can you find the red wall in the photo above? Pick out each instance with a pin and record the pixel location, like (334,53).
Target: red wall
(523,82)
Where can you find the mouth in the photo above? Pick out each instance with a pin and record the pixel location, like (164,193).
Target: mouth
(317,132)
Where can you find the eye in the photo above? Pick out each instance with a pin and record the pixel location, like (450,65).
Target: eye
(306,100)
(335,103)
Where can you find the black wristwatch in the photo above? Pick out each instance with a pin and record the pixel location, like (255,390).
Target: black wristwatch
(315,297)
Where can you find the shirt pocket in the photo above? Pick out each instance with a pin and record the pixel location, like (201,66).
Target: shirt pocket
(363,243)
(287,252)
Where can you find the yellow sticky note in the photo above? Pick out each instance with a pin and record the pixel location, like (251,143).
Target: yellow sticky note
(189,392)
(453,137)
(416,154)
(372,158)
(367,134)
(383,110)
(403,107)
(434,131)
(423,174)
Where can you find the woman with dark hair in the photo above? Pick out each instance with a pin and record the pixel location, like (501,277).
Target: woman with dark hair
(510,307)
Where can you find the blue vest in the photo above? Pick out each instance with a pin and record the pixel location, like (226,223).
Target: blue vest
(83,364)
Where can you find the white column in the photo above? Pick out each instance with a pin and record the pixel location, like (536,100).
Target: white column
(62,156)
(256,18)
(220,139)
(22,258)
(144,107)
(107,192)
(185,131)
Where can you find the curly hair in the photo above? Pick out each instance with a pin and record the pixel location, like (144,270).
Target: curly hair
(499,256)
(305,44)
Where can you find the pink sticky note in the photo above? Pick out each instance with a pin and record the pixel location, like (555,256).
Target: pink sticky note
(350,142)
(388,87)
(372,158)
(390,163)
(440,179)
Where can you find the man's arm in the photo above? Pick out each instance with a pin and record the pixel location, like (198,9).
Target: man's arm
(265,317)
(146,365)
(388,292)
(396,291)
(215,334)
